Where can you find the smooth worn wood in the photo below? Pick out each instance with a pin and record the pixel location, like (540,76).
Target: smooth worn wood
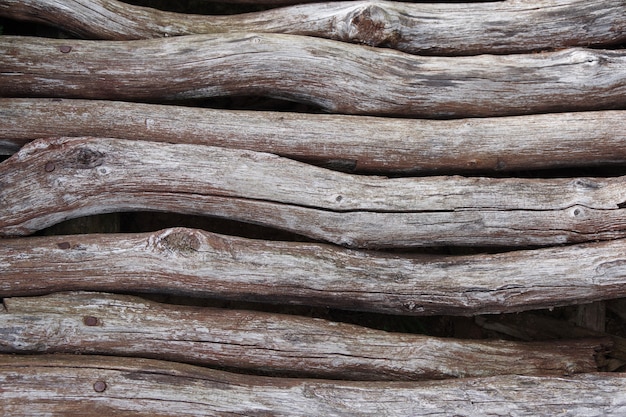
(53,180)
(202,264)
(263,342)
(449,29)
(94,386)
(355,143)
(335,76)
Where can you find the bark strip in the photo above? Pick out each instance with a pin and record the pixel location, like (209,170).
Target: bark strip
(201,264)
(96,386)
(316,72)
(355,143)
(448,29)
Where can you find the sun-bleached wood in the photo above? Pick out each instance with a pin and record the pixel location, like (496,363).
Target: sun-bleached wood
(281,344)
(86,386)
(356,143)
(202,264)
(335,76)
(56,179)
(449,29)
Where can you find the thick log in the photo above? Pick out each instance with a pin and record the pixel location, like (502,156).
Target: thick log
(202,264)
(53,180)
(95,386)
(263,342)
(314,71)
(357,143)
(449,29)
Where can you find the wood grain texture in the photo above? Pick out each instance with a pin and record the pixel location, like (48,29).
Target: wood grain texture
(335,76)
(201,264)
(53,180)
(66,385)
(263,342)
(355,143)
(449,29)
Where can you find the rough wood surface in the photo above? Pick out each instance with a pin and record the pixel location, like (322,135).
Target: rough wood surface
(198,263)
(95,386)
(336,76)
(355,143)
(449,29)
(263,342)
(53,180)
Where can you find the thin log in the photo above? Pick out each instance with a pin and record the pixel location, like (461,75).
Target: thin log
(263,342)
(314,71)
(358,143)
(95,386)
(202,264)
(449,29)
(56,179)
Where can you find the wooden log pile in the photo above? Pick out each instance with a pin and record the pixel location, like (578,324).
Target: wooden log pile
(371,208)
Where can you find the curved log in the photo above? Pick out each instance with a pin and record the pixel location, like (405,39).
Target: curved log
(448,29)
(356,143)
(314,71)
(202,264)
(52,180)
(281,344)
(95,386)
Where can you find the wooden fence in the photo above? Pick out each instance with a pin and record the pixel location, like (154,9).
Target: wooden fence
(373,208)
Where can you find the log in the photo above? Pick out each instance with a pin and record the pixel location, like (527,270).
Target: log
(356,143)
(95,386)
(202,264)
(262,342)
(448,29)
(314,71)
(57,179)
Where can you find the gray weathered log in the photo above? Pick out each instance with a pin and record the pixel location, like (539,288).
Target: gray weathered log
(201,264)
(94,386)
(335,76)
(263,342)
(53,180)
(449,29)
(356,143)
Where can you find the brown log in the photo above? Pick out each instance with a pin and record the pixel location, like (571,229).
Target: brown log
(335,76)
(95,386)
(57,179)
(449,29)
(281,344)
(197,263)
(358,143)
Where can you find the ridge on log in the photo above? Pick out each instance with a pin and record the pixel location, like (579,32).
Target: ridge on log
(86,386)
(435,29)
(354,143)
(314,71)
(56,179)
(202,264)
(120,325)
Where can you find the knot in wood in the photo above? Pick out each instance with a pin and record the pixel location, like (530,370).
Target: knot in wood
(182,241)
(84,158)
(371,25)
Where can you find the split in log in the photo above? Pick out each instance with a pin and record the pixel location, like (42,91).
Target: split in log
(436,29)
(278,344)
(95,386)
(335,76)
(201,264)
(52,180)
(356,143)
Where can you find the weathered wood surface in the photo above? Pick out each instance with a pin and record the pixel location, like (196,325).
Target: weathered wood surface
(95,386)
(356,143)
(53,180)
(336,76)
(198,263)
(263,342)
(448,29)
